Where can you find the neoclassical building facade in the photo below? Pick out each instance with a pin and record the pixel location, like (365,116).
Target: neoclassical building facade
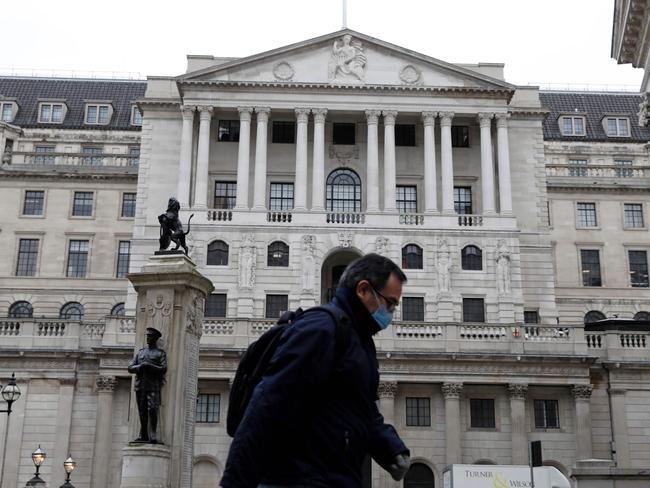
(519,217)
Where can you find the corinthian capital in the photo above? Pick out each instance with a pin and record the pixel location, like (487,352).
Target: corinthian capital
(517,391)
(319,115)
(302,115)
(262,114)
(187,111)
(245,113)
(485,119)
(452,390)
(372,116)
(581,392)
(429,118)
(502,120)
(446,118)
(105,384)
(205,112)
(389,116)
(387,389)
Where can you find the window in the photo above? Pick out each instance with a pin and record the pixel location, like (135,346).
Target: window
(278,254)
(41,157)
(343,133)
(77,259)
(128,205)
(459,136)
(97,114)
(72,311)
(473,310)
(281,196)
(418,412)
(123,258)
(413,309)
(134,153)
(229,131)
(118,310)
(33,204)
(546,414)
(407,199)
(593,316)
(136,116)
(27,257)
(590,259)
(218,253)
(276,305)
(208,406)
(638,268)
(578,167)
(343,191)
(572,125)
(463,199)
(7,112)
(482,413)
(617,126)
(92,155)
(587,214)
(216,305)
(642,316)
(225,194)
(404,135)
(419,475)
(633,217)
(21,310)
(284,132)
(624,168)
(412,257)
(471,258)
(82,205)
(531,317)
(50,113)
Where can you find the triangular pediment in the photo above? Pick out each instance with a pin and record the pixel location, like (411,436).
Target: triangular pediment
(346,57)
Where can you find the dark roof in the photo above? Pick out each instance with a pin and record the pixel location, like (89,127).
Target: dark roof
(594,106)
(29,91)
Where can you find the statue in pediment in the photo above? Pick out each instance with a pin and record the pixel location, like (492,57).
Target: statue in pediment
(348,61)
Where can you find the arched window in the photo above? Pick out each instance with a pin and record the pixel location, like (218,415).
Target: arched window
(118,310)
(72,311)
(21,310)
(218,253)
(343,191)
(472,258)
(593,316)
(419,476)
(412,257)
(278,254)
(642,316)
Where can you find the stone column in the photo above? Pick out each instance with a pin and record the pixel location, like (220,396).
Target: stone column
(203,158)
(582,395)
(243,157)
(372,176)
(452,392)
(447,163)
(390,204)
(185,162)
(386,393)
(619,421)
(318,171)
(105,386)
(300,191)
(63,427)
(171,297)
(259,192)
(13,456)
(505,187)
(430,190)
(518,428)
(487,166)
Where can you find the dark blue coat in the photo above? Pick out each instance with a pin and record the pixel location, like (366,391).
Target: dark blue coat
(313,417)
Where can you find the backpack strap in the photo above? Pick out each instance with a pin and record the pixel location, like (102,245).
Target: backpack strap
(343,328)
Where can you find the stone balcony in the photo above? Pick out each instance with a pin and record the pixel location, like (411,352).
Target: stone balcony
(600,173)
(71,159)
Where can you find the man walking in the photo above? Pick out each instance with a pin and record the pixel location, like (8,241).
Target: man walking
(313,418)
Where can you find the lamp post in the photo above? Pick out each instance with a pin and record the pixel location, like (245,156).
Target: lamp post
(10,393)
(69,465)
(38,457)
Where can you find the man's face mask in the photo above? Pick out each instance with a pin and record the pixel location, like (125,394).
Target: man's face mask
(382,316)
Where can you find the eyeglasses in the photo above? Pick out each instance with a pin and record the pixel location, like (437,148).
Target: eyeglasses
(392,303)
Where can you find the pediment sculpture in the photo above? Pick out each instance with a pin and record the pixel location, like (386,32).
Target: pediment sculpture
(348,62)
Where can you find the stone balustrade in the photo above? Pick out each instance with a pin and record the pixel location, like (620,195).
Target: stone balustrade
(73,159)
(597,171)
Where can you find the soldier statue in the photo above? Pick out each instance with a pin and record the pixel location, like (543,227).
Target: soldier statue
(149,366)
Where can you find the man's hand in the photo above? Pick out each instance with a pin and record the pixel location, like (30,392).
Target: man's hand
(399,467)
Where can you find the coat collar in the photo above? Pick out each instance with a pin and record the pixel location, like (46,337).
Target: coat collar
(360,318)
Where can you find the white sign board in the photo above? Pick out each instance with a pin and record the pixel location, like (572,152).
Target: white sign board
(494,476)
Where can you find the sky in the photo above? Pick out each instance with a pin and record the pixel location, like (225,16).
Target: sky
(551,42)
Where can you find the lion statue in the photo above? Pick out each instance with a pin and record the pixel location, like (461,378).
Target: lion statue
(171,228)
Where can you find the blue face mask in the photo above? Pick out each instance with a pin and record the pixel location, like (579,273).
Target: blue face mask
(382,316)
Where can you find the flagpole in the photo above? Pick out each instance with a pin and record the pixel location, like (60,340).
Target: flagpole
(345,14)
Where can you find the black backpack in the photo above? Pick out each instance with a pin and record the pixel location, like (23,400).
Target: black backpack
(257,357)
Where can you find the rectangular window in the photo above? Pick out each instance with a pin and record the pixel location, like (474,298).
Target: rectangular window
(407,199)
(404,135)
(216,305)
(225,194)
(590,259)
(136,116)
(281,197)
(82,205)
(638,268)
(41,157)
(97,114)
(208,406)
(92,155)
(123,258)
(473,310)
(413,309)
(128,205)
(33,204)
(482,413)
(50,113)
(276,305)
(134,152)
(228,131)
(459,136)
(546,414)
(7,112)
(284,132)
(572,125)
(578,167)
(343,133)
(531,317)
(624,168)
(633,215)
(587,214)
(618,126)
(77,259)
(463,199)
(27,257)
(418,412)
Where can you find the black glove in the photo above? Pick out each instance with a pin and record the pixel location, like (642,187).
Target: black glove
(400,466)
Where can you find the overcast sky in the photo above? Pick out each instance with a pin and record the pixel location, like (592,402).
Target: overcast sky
(551,41)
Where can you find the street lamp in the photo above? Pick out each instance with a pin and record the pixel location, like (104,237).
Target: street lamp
(10,393)
(69,465)
(38,457)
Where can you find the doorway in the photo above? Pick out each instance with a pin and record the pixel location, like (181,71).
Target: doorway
(333,267)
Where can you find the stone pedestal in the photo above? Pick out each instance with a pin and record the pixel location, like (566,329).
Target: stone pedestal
(171,297)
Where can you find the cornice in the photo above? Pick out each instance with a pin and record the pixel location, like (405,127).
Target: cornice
(553,183)
(66,174)
(160,102)
(528,113)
